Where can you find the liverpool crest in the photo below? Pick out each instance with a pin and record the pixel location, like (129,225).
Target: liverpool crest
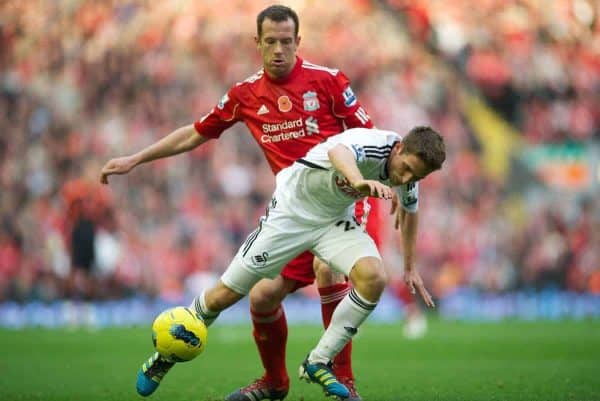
(311,101)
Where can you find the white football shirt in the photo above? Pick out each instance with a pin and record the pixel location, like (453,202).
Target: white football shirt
(312,189)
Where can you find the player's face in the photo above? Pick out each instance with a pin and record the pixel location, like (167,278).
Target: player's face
(277,46)
(405,168)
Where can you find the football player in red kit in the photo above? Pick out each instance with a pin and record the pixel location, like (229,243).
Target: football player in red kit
(289,106)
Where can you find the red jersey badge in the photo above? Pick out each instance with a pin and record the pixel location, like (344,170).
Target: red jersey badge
(284,104)
(311,101)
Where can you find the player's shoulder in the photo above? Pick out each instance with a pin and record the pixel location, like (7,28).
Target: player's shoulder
(320,71)
(380,137)
(249,81)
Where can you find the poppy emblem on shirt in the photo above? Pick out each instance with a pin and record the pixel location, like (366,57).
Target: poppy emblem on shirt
(284,104)
(311,101)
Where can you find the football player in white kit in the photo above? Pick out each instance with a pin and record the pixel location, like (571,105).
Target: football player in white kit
(312,209)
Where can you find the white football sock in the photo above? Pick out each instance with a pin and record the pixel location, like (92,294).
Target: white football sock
(199,306)
(347,318)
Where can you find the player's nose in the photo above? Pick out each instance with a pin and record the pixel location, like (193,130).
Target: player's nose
(278,48)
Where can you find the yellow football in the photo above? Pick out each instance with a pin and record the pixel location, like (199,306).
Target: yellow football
(178,334)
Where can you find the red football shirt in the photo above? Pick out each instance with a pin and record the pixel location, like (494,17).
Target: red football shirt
(289,116)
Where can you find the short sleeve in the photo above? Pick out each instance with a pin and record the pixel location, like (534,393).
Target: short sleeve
(221,117)
(346,105)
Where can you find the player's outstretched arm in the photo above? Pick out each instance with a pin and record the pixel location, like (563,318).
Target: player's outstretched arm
(343,161)
(409,223)
(181,140)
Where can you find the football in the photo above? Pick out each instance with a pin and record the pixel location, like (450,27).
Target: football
(178,335)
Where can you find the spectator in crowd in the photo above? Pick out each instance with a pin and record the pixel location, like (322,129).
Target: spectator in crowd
(84,80)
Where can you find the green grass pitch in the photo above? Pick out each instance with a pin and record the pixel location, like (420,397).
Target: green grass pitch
(542,361)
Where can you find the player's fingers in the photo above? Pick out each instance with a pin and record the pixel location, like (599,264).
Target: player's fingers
(426,296)
(378,191)
(384,191)
(371,189)
(411,286)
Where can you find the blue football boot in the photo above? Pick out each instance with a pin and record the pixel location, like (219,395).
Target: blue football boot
(151,373)
(322,374)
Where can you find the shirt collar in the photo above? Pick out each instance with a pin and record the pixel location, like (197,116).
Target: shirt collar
(385,174)
(295,71)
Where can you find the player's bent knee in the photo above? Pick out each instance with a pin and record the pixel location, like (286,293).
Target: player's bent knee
(369,278)
(267,295)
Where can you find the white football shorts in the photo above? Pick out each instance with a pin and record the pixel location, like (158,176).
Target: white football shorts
(281,236)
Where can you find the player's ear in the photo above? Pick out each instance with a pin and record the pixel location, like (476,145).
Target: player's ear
(298,40)
(398,147)
(257,41)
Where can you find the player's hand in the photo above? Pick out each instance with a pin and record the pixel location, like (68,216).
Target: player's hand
(373,188)
(415,283)
(120,165)
(397,210)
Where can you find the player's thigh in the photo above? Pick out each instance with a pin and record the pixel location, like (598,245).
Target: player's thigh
(239,278)
(342,244)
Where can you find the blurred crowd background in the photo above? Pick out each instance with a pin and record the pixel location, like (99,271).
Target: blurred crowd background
(514,86)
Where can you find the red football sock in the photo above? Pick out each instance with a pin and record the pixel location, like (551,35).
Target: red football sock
(330,298)
(270,334)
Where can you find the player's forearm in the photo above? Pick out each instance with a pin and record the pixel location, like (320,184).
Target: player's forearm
(181,140)
(343,161)
(410,222)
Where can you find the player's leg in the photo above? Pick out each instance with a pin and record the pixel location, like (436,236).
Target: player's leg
(235,283)
(368,279)
(333,287)
(279,239)
(264,253)
(351,251)
(270,335)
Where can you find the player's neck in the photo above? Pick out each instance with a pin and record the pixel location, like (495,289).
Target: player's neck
(285,77)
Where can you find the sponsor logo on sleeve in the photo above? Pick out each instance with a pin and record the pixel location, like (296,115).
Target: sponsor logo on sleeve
(349,97)
(223,101)
(311,101)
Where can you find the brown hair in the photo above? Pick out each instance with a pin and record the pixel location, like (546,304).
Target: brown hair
(277,13)
(427,144)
